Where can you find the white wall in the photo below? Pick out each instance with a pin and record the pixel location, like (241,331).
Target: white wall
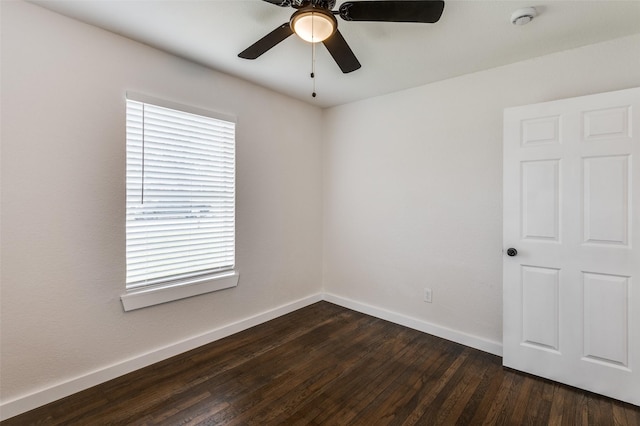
(413,185)
(63,199)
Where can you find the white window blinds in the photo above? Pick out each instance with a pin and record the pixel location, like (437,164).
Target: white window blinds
(180,195)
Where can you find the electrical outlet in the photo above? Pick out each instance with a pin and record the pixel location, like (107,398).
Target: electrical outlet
(427,295)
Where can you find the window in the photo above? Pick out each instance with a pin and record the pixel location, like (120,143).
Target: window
(180,212)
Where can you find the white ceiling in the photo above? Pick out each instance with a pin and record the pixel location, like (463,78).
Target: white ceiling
(470,36)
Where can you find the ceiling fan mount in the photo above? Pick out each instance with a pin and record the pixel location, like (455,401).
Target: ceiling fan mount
(314,21)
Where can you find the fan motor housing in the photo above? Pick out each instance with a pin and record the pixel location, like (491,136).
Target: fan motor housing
(324,4)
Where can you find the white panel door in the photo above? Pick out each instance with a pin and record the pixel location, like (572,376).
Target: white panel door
(572,213)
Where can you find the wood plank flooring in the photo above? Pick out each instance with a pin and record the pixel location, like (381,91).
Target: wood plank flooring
(326,365)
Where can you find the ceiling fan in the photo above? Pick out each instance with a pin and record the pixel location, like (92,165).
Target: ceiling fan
(314,21)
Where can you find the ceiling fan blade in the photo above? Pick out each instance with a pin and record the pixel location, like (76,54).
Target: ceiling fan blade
(341,52)
(267,42)
(426,11)
(283,3)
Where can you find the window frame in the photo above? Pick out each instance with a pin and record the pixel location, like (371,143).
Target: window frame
(148,295)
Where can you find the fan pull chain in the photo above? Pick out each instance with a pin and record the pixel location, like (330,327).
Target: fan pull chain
(313,68)
(313,58)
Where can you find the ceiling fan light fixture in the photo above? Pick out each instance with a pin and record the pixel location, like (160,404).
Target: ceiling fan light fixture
(313,25)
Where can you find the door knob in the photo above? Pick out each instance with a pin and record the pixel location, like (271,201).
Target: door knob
(512,252)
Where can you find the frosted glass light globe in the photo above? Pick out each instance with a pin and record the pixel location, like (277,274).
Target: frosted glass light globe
(313,26)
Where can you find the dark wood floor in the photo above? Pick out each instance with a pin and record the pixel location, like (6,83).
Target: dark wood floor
(326,365)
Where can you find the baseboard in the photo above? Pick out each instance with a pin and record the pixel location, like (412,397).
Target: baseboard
(39,398)
(417,324)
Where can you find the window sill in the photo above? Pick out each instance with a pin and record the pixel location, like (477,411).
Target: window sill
(162,293)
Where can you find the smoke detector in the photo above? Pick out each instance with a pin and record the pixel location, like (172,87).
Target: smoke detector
(523,16)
